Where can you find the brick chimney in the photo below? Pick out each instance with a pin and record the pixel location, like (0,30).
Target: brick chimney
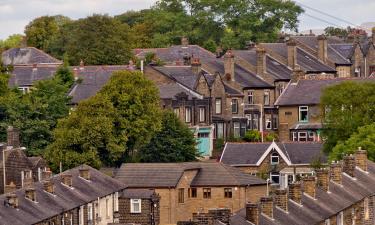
(292,53)
(252,213)
(322,48)
(196,66)
(46,174)
(281,199)
(294,192)
(84,173)
(12,200)
(361,159)
(30,194)
(322,176)
(348,165)
(309,186)
(184,41)
(49,187)
(297,74)
(336,172)
(266,206)
(27,178)
(229,65)
(261,61)
(10,187)
(13,137)
(66,179)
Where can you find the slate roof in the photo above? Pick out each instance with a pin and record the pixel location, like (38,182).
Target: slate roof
(251,153)
(346,50)
(64,199)
(182,74)
(278,70)
(308,92)
(26,75)
(137,193)
(324,206)
(169,91)
(306,61)
(27,56)
(93,79)
(165,175)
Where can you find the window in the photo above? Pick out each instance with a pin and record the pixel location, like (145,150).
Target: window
(181,196)
(203,135)
(302,136)
(366,208)
(177,111)
(236,129)
(235,106)
(135,205)
(202,114)
(227,192)
(327,222)
(303,113)
(281,88)
(275,178)
(218,106)
(274,122)
(187,114)
(206,192)
(90,215)
(255,123)
(274,158)
(192,193)
(107,207)
(266,97)
(340,218)
(268,124)
(116,202)
(250,97)
(219,130)
(81,215)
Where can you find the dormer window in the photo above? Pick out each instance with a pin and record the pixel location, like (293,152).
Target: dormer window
(274,158)
(303,114)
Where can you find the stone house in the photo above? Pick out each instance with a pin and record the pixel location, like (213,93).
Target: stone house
(282,162)
(188,188)
(80,196)
(16,169)
(340,195)
(300,116)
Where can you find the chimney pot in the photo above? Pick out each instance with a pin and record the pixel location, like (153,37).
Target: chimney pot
(266,205)
(294,191)
(336,172)
(84,173)
(292,53)
(66,179)
(361,158)
(49,187)
(30,194)
(322,176)
(349,165)
(281,199)
(184,41)
(196,66)
(252,213)
(81,65)
(309,186)
(13,137)
(12,200)
(46,174)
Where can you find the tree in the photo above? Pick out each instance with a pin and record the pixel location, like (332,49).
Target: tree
(364,138)
(173,143)
(346,106)
(252,136)
(336,31)
(13,41)
(107,128)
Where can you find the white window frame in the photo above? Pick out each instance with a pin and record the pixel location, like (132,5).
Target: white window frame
(234,102)
(235,127)
(220,130)
(202,114)
(250,97)
(303,109)
(340,218)
(218,106)
(275,155)
(116,202)
(300,136)
(187,115)
(272,174)
(133,202)
(176,111)
(107,212)
(266,98)
(366,209)
(327,222)
(90,216)
(81,216)
(268,124)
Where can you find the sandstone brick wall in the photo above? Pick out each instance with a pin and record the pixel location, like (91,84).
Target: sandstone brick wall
(148,212)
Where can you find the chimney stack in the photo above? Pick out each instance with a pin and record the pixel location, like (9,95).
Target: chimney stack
(66,179)
(294,192)
(13,137)
(336,172)
(349,165)
(252,213)
(261,61)
(309,186)
(27,178)
(30,194)
(266,205)
(322,48)
(298,74)
(46,174)
(292,53)
(9,188)
(12,200)
(184,41)
(196,66)
(322,176)
(49,187)
(281,199)
(361,159)
(229,65)
(84,173)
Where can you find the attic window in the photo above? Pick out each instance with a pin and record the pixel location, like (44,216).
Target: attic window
(274,158)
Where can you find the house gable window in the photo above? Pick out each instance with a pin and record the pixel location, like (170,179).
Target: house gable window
(218,105)
(202,114)
(206,193)
(234,106)
(188,115)
(135,205)
(266,97)
(250,97)
(303,114)
(274,158)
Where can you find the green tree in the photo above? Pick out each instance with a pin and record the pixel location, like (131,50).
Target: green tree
(252,136)
(173,143)
(346,106)
(336,31)
(364,138)
(13,41)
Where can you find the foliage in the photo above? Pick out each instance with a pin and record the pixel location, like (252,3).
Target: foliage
(336,31)
(271,137)
(364,138)
(109,127)
(65,75)
(346,106)
(219,144)
(13,41)
(173,143)
(316,162)
(253,136)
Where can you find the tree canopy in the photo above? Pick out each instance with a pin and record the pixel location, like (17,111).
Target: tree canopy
(173,143)
(13,41)
(347,106)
